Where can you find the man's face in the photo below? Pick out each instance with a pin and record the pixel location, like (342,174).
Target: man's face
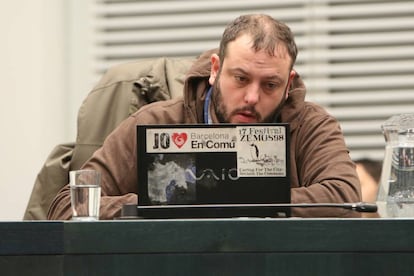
(249,85)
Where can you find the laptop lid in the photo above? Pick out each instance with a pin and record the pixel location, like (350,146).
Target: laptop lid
(223,170)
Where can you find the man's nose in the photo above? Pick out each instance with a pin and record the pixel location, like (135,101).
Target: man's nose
(252,94)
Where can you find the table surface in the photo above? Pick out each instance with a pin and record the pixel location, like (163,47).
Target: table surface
(211,246)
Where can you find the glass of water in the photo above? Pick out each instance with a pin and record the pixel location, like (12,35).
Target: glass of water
(85,194)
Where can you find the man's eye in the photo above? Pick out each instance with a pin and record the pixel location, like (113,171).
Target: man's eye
(271,86)
(240,79)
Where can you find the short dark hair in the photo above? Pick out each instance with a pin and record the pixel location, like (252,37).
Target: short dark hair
(266,32)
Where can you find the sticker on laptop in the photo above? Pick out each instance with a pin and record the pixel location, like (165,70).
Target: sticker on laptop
(260,150)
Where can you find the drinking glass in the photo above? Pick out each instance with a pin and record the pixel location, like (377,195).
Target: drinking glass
(85,194)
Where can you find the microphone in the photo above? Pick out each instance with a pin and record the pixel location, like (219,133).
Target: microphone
(363,207)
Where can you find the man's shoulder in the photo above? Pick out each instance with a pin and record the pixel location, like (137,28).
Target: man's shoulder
(306,114)
(315,108)
(314,116)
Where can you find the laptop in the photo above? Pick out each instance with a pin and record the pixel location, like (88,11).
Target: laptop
(213,171)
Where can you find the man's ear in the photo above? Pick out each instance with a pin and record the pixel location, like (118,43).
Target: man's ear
(215,68)
(292,75)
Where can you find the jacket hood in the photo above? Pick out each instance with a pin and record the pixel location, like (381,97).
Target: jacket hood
(196,84)
(294,103)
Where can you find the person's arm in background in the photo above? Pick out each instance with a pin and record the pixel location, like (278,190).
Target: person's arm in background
(369,173)
(116,160)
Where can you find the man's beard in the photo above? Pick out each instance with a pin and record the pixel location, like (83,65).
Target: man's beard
(222,113)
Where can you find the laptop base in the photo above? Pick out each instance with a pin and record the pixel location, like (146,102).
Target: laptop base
(214,211)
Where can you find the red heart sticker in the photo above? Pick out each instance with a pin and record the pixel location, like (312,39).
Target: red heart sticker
(179,139)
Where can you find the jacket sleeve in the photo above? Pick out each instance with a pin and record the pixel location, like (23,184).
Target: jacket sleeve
(56,168)
(325,170)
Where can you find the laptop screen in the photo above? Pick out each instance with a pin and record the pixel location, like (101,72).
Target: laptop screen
(219,170)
